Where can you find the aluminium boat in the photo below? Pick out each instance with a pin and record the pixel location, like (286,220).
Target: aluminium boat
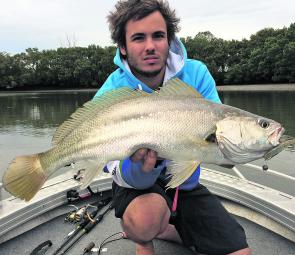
(267,215)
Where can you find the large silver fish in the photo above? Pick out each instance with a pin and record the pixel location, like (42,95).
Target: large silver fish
(177,122)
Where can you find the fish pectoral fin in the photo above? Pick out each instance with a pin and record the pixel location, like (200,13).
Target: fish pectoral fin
(91,169)
(180,171)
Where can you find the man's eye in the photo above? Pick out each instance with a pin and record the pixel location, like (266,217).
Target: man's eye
(138,38)
(159,36)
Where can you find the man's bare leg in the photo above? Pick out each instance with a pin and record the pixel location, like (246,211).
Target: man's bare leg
(145,249)
(245,251)
(146,217)
(170,234)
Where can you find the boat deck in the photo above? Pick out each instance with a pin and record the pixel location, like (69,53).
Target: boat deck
(267,216)
(261,240)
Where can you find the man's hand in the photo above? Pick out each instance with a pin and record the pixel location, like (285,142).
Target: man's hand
(148,158)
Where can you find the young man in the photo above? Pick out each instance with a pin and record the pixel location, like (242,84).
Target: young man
(148,55)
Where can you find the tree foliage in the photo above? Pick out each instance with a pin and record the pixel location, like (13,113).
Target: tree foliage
(74,67)
(267,57)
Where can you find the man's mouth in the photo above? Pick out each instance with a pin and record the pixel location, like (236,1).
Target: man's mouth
(151,59)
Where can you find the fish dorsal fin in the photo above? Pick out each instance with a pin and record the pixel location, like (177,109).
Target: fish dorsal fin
(177,87)
(92,108)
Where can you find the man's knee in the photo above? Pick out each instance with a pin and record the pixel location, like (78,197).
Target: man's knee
(145,217)
(245,251)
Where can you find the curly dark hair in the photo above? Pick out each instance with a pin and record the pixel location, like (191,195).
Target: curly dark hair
(126,10)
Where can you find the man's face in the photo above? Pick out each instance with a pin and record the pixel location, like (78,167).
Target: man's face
(146,45)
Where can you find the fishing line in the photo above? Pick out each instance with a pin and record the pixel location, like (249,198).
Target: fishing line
(90,248)
(106,240)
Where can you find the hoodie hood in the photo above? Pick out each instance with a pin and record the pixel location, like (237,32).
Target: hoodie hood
(176,60)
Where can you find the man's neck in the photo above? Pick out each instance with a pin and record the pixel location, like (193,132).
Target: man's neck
(153,82)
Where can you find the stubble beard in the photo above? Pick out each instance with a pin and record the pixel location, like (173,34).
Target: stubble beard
(149,74)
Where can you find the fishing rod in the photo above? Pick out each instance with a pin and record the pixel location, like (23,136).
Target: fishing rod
(42,248)
(91,224)
(83,224)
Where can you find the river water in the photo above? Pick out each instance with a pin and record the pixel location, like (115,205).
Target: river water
(28,120)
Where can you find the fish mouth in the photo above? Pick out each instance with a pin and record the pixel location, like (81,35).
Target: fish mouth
(285,143)
(274,137)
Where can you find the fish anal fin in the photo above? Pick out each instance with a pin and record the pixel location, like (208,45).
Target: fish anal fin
(177,87)
(180,171)
(90,169)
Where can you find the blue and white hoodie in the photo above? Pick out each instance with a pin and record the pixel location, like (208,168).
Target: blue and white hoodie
(193,72)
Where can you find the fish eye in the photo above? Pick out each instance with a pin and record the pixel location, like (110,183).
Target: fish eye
(264,123)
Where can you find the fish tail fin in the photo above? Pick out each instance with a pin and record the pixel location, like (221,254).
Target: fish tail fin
(24,177)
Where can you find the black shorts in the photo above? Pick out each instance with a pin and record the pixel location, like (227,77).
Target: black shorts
(200,220)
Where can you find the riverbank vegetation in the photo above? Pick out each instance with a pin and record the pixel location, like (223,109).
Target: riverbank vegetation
(267,57)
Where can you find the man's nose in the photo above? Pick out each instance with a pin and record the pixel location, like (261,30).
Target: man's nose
(150,45)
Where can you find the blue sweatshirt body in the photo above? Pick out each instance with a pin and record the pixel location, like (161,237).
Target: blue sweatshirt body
(193,72)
